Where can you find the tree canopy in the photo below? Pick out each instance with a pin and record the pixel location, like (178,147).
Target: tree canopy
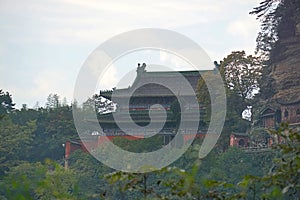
(6,103)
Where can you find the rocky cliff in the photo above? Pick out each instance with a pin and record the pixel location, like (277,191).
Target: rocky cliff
(285,71)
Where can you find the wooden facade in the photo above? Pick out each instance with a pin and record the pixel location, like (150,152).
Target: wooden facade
(272,116)
(291,113)
(148,90)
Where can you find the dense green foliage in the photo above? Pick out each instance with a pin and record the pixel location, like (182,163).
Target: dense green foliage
(27,172)
(6,103)
(235,174)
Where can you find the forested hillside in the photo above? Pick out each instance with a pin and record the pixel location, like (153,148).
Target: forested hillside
(32,166)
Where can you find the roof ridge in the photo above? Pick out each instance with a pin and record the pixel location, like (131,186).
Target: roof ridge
(182,71)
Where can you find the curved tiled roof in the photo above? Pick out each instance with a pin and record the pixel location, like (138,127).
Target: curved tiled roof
(153,84)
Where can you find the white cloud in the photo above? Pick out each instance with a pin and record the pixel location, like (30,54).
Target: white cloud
(42,26)
(177,63)
(109,78)
(44,83)
(80,21)
(244,27)
(174,62)
(50,80)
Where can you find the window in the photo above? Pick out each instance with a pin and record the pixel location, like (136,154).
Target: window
(298,111)
(286,113)
(241,143)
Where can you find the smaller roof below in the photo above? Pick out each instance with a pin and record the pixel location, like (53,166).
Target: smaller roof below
(269,109)
(240,134)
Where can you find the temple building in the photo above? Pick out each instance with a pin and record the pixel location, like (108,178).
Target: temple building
(270,116)
(239,139)
(149,94)
(283,111)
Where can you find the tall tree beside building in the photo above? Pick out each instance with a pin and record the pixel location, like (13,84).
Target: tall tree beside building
(241,74)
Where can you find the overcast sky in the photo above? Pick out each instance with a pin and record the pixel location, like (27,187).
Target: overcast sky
(43,43)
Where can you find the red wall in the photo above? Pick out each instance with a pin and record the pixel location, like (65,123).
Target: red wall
(235,139)
(71,147)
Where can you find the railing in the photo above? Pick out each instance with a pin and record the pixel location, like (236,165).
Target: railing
(146,107)
(167,131)
(256,149)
